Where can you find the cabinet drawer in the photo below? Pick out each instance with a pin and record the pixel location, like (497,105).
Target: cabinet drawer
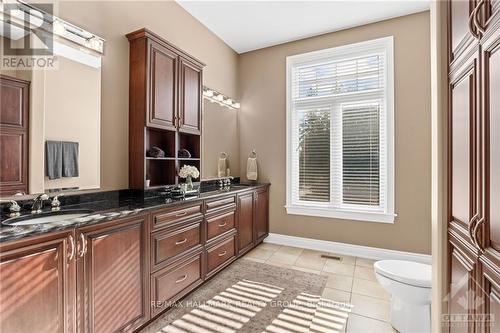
(173,282)
(219,224)
(168,244)
(172,216)
(220,254)
(219,204)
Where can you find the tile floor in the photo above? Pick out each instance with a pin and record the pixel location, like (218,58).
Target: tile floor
(350,280)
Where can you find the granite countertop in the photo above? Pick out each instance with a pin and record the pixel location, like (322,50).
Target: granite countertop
(107,206)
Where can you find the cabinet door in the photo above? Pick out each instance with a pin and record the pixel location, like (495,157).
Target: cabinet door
(463,160)
(461,29)
(464,297)
(491,297)
(163,85)
(245,222)
(491,148)
(190,98)
(261,214)
(14,117)
(37,291)
(113,274)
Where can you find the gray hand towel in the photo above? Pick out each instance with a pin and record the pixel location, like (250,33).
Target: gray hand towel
(70,159)
(53,159)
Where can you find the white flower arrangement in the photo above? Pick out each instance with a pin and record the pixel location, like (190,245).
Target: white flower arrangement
(189,170)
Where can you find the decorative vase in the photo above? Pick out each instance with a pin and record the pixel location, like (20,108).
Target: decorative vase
(189,183)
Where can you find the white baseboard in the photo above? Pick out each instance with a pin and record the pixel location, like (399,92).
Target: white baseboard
(346,249)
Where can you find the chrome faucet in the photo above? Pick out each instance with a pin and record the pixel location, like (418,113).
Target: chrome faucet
(38,203)
(14,209)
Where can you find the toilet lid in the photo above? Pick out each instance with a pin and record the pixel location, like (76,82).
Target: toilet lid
(407,272)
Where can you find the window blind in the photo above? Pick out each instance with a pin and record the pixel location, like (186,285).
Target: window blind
(338,129)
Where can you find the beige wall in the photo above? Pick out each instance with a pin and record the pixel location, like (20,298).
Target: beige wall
(112,20)
(262,86)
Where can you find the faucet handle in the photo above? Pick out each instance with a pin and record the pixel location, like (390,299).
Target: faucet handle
(56,204)
(14,208)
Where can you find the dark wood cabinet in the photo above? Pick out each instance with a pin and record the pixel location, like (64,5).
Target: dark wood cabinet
(245,221)
(163,88)
(14,135)
(190,97)
(117,275)
(165,100)
(113,276)
(261,214)
(474,165)
(37,289)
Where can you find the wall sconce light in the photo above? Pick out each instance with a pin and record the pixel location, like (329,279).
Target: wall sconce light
(216,97)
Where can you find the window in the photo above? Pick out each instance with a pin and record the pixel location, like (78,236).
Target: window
(340,132)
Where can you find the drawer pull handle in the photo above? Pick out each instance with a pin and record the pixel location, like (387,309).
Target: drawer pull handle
(181,214)
(72,244)
(223,224)
(181,279)
(181,242)
(222,254)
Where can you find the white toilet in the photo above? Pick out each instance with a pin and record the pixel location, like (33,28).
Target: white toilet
(409,284)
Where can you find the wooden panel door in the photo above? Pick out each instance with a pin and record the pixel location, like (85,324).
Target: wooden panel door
(463,289)
(261,214)
(37,289)
(491,297)
(190,97)
(461,30)
(113,275)
(163,87)
(14,131)
(463,159)
(245,222)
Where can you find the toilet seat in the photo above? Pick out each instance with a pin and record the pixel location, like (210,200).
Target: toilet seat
(407,272)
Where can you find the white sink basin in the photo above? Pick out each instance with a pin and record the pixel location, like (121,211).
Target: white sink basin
(48,217)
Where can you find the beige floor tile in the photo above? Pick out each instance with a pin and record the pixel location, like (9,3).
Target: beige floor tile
(336,295)
(253,259)
(374,308)
(369,288)
(296,251)
(269,247)
(338,268)
(364,273)
(365,262)
(283,258)
(360,324)
(340,282)
(307,270)
(311,260)
(260,253)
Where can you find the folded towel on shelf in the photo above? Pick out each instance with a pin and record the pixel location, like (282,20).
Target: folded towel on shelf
(53,159)
(70,159)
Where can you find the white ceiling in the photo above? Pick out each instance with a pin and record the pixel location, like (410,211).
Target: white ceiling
(251,25)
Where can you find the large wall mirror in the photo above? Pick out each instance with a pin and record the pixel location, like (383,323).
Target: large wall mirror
(220,133)
(50,116)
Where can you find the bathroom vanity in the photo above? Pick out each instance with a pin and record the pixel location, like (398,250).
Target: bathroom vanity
(125,264)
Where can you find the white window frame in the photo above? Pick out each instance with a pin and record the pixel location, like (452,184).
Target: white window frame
(325,209)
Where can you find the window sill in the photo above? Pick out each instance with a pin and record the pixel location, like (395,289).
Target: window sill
(340,214)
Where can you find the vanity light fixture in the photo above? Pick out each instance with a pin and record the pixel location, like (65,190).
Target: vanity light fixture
(221,99)
(26,16)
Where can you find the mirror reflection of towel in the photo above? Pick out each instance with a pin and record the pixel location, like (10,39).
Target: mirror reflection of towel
(53,159)
(221,167)
(252,168)
(70,159)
